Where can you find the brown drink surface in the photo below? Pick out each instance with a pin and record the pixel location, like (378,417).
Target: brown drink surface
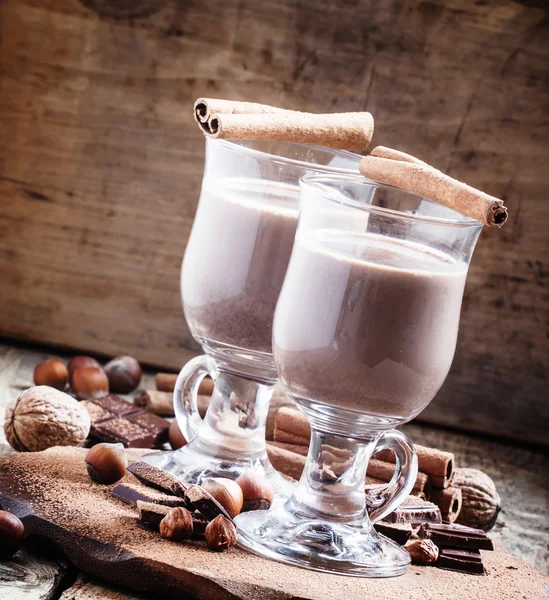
(367,323)
(236,260)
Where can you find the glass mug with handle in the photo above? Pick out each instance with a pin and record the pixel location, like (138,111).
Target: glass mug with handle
(364,335)
(232,272)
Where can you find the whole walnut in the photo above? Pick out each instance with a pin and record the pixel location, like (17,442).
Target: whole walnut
(481,503)
(43,417)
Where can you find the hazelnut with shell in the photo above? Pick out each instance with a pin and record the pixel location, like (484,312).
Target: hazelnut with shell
(52,372)
(220,534)
(43,417)
(227,492)
(106,463)
(177,525)
(89,382)
(124,373)
(12,533)
(77,362)
(257,492)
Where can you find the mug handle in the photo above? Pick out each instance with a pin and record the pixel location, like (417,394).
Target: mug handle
(186,391)
(382,500)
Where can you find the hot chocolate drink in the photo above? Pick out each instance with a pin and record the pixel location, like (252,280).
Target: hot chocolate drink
(374,330)
(236,260)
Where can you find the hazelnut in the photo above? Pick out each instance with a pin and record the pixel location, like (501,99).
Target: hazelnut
(43,417)
(177,524)
(12,533)
(51,372)
(78,362)
(220,534)
(422,552)
(106,463)
(227,492)
(257,492)
(89,382)
(124,374)
(177,439)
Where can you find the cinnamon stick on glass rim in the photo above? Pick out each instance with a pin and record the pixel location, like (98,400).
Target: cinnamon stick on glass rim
(204,108)
(412,175)
(224,119)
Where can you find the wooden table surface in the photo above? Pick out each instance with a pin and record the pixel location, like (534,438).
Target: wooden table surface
(521,474)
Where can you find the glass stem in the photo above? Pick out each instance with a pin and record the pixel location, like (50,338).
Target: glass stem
(332,483)
(236,418)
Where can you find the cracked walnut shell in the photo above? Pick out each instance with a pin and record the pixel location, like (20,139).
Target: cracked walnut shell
(43,417)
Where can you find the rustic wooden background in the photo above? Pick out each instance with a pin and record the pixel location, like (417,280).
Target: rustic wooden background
(100,162)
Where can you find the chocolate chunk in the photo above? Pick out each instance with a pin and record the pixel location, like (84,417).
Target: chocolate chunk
(398,532)
(115,420)
(122,431)
(199,524)
(466,561)
(415,510)
(205,503)
(116,405)
(153,424)
(158,479)
(97,413)
(455,536)
(151,514)
(130,494)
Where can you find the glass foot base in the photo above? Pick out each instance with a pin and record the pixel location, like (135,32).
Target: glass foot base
(320,545)
(191,466)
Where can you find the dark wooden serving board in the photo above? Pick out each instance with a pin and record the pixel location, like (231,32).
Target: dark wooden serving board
(51,492)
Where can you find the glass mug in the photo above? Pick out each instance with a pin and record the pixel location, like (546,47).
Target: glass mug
(232,273)
(364,335)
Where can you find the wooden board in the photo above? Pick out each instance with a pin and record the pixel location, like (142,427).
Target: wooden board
(102,537)
(100,161)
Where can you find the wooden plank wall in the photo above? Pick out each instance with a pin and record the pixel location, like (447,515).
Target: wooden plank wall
(100,162)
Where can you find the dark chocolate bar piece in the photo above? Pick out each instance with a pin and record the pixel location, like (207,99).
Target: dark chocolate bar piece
(415,510)
(466,561)
(123,431)
(130,494)
(205,503)
(116,405)
(152,423)
(115,420)
(158,479)
(455,536)
(199,524)
(398,532)
(151,514)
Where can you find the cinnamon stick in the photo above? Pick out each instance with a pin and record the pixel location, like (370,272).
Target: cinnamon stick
(161,403)
(288,463)
(406,172)
(438,465)
(279,400)
(449,501)
(204,108)
(232,120)
(343,131)
(292,426)
(384,471)
(165,382)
